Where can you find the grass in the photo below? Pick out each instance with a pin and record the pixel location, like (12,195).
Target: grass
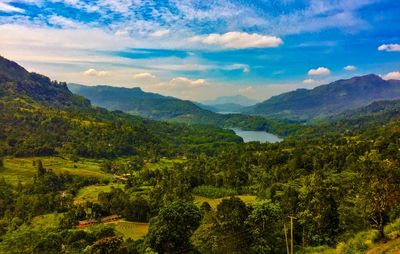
(133,230)
(22,169)
(163,163)
(213,192)
(198,200)
(90,193)
(46,221)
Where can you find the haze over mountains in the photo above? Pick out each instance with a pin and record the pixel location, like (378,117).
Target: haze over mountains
(327,100)
(299,105)
(157,107)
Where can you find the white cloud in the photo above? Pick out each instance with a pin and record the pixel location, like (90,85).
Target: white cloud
(244,67)
(320,71)
(350,68)
(248,89)
(47,38)
(185,82)
(63,22)
(5,7)
(239,40)
(392,75)
(160,33)
(309,81)
(144,75)
(94,72)
(389,47)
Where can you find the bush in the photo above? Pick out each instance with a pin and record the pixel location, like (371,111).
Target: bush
(213,192)
(361,242)
(392,230)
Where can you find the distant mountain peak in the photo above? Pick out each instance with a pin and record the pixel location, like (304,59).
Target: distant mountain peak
(235,99)
(329,99)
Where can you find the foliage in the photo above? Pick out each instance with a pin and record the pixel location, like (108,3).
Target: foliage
(169,232)
(392,230)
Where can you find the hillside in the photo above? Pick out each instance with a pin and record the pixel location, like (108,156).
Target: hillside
(42,117)
(137,102)
(327,100)
(157,107)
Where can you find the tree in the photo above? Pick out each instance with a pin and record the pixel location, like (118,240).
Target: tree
(265,224)
(107,245)
(379,188)
(229,228)
(40,169)
(169,232)
(318,210)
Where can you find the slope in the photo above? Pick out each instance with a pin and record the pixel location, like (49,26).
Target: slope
(327,100)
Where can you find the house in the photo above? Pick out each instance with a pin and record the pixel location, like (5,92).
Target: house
(86,223)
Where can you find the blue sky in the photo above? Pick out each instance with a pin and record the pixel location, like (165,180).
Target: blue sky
(199,50)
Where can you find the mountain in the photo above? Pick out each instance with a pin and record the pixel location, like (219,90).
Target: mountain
(157,107)
(43,117)
(237,99)
(16,82)
(327,100)
(137,102)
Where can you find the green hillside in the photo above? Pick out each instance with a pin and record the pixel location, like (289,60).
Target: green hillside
(157,107)
(41,117)
(327,100)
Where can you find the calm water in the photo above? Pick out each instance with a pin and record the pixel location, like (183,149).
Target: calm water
(261,136)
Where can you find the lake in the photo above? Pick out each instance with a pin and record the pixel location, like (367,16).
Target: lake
(261,136)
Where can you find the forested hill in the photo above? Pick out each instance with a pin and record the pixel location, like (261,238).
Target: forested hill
(157,107)
(137,102)
(17,82)
(330,99)
(42,117)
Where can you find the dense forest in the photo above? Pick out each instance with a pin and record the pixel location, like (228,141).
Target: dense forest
(196,189)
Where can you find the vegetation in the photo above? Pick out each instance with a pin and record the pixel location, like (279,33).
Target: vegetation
(213,192)
(328,100)
(78,179)
(158,107)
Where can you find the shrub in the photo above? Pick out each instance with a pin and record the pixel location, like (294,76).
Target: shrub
(361,242)
(392,230)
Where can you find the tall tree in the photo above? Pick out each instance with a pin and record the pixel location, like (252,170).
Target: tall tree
(379,188)
(170,231)
(265,224)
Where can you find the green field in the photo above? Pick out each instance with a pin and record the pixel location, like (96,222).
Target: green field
(163,163)
(90,193)
(46,221)
(22,169)
(133,230)
(198,200)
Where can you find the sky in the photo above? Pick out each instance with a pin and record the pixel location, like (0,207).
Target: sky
(202,49)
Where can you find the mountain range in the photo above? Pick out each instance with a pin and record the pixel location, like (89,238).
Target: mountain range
(137,102)
(227,104)
(327,100)
(157,107)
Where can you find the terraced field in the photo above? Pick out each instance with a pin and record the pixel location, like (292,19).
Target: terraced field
(128,229)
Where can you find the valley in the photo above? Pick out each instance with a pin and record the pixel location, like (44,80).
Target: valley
(188,183)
